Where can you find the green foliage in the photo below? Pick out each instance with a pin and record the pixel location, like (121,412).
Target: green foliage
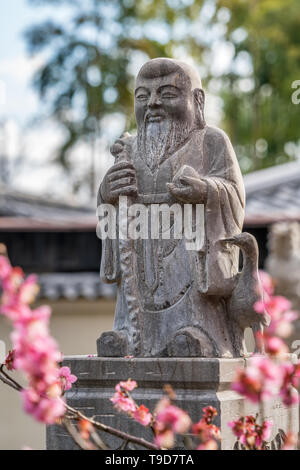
(258,111)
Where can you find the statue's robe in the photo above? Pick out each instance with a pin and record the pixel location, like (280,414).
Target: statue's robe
(181,289)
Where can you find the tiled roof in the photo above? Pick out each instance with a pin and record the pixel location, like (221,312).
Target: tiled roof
(20,211)
(72,286)
(273,194)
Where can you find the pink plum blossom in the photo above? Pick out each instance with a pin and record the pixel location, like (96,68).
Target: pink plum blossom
(129,385)
(273,305)
(266,282)
(274,346)
(290,381)
(123,403)
(9,360)
(165,439)
(13,281)
(142,415)
(35,353)
(85,428)
(259,381)
(43,409)
(5,267)
(28,290)
(169,419)
(207,432)
(66,379)
(250,434)
(290,442)
(208,445)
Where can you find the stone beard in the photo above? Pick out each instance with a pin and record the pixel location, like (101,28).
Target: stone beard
(157,140)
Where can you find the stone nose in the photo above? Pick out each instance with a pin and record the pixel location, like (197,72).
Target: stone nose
(154,100)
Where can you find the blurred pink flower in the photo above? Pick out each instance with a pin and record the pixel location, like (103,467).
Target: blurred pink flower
(251,434)
(43,409)
(165,439)
(178,420)
(85,428)
(258,381)
(123,403)
(266,282)
(142,415)
(273,305)
(9,360)
(13,281)
(290,442)
(208,445)
(274,346)
(209,413)
(169,419)
(28,290)
(290,381)
(36,354)
(282,323)
(207,432)
(129,385)
(66,379)
(5,267)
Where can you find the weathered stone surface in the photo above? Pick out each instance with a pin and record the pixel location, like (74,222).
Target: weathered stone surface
(198,382)
(173,300)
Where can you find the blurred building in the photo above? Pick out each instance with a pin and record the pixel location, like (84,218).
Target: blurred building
(273,216)
(272,196)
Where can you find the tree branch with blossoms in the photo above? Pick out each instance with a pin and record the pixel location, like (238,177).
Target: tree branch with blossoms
(36,354)
(269,376)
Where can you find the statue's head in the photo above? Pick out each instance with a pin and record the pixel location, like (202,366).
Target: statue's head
(169,104)
(169,89)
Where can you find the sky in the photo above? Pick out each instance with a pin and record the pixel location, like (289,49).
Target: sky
(19,104)
(29,148)
(16,67)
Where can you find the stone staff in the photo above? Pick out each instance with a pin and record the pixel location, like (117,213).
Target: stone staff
(121,150)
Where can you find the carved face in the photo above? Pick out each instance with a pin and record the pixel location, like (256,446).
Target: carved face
(167,97)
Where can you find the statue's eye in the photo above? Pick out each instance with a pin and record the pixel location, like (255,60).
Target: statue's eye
(142,97)
(169,95)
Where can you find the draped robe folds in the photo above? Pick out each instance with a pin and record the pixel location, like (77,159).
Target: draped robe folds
(188,289)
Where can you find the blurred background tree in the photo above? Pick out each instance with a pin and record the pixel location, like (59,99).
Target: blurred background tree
(258,112)
(91,60)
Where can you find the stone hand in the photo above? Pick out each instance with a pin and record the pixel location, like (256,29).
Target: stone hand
(188,186)
(120,180)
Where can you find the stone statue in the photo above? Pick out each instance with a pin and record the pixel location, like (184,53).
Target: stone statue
(175,302)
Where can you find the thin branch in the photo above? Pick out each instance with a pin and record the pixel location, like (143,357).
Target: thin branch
(98,441)
(115,432)
(76,436)
(6,379)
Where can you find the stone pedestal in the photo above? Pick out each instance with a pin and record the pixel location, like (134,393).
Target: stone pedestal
(198,382)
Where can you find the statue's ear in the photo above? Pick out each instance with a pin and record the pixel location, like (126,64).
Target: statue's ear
(199,97)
